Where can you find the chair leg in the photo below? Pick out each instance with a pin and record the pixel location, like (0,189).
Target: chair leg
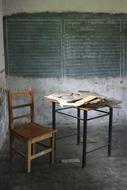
(28,156)
(52,156)
(12,153)
(33,148)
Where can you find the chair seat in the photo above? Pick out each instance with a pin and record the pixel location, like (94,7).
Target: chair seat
(33,130)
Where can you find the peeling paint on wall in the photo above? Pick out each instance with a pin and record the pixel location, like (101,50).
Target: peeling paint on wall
(109,87)
(3,116)
(3,101)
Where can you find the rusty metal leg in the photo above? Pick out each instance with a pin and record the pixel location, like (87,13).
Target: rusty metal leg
(84,139)
(54,122)
(78,126)
(110,131)
(53,115)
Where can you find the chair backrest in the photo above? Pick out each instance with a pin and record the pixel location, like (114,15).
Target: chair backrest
(20,106)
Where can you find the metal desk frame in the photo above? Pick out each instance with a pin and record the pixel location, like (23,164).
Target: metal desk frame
(85,119)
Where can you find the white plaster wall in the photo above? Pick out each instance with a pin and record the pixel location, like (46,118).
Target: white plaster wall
(112,6)
(3,102)
(2,66)
(110,87)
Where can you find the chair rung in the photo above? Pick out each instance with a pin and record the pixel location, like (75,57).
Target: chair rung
(19,94)
(42,144)
(41,153)
(25,115)
(19,152)
(21,106)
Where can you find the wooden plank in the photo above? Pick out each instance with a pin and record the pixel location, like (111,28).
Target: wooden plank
(21,106)
(22,116)
(41,153)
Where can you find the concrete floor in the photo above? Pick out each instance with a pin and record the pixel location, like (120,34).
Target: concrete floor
(101,173)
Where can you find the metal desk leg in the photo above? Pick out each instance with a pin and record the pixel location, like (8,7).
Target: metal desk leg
(54,120)
(78,126)
(110,131)
(84,139)
(53,115)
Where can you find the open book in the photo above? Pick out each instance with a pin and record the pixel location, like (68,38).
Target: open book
(65,99)
(82,98)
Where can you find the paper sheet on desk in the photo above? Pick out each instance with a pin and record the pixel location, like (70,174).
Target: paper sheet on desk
(65,99)
(76,102)
(83,98)
(72,99)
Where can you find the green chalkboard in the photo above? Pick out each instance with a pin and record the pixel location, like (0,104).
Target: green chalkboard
(75,45)
(33,46)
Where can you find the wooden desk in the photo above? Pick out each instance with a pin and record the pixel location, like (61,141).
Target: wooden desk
(85,119)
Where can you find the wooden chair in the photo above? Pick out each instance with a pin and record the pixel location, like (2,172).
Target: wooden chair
(29,132)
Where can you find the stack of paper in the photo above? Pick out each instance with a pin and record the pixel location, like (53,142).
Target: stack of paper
(83,98)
